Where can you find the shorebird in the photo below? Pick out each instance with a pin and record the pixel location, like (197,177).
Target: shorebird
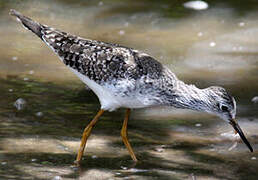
(123,77)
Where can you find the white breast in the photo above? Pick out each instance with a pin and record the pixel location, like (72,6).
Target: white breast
(107,97)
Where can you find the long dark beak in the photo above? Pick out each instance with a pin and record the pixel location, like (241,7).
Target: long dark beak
(241,134)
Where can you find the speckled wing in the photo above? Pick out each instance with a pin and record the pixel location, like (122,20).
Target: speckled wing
(126,73)
(99,61)
(119,76)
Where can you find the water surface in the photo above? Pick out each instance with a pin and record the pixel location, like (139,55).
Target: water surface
(216,46)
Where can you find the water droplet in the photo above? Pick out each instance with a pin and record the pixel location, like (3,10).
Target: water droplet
(135,170)
(196,5)
(200,34)
(57,178)
(198,125)
(230,135)
(121,32)
(123,167)
(39,114)
(14,58)
(3,163)
(159,149)
(212,44)
(94,157)
(20,104)
(255,99)
(241,24)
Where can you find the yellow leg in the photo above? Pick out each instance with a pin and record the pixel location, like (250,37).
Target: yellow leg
(124,135)
(85,135)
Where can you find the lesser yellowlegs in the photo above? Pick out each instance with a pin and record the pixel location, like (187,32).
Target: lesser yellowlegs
(123,77)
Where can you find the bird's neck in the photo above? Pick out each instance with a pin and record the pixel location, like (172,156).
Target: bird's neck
(190,97)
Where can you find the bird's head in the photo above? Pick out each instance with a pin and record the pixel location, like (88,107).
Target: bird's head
(223,105)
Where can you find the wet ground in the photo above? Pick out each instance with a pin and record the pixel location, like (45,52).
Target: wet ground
(216,46)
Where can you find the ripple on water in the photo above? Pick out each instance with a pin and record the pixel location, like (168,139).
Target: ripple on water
(20,104)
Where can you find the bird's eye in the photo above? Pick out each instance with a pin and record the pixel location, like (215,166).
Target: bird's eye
(224,108)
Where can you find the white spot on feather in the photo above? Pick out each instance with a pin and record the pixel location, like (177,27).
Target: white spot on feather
(18,19)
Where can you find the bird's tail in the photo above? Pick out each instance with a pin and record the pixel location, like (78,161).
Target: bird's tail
(28,23)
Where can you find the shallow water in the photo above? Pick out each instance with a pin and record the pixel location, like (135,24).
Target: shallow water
(217,46)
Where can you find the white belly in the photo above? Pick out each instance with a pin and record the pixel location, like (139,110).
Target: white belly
(108,99)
